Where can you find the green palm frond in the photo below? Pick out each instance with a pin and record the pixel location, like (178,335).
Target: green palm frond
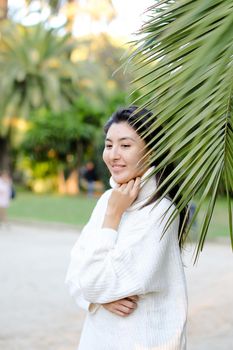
(184,61)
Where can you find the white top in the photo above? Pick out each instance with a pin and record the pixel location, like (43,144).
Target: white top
(5,193)
(108,265)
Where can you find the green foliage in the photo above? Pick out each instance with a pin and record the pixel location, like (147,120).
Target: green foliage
(35,71)
(40,176)
(59,132)
(64,88)
(77,132)
(55,142)
(185,58)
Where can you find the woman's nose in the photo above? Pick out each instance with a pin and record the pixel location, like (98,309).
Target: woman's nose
(115,153)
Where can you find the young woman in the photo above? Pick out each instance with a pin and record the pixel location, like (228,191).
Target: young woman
(129,277)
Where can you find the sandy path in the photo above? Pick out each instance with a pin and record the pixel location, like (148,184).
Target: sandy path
(38,314)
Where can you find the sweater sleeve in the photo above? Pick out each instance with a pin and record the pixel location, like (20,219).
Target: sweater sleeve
(107,270)
(74,287)
(76,293)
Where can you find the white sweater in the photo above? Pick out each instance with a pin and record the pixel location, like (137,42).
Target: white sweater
(108,265)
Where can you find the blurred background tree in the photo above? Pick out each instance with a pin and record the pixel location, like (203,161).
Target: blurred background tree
(54,145)
(58,85)
(36,71)
(49,78)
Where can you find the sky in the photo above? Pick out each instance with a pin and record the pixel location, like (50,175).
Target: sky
(130,16)
(129,19)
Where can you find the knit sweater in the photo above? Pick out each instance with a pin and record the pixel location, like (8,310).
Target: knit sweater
(136,259)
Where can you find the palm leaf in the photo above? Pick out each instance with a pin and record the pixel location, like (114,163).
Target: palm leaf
(183,59)
(35,66)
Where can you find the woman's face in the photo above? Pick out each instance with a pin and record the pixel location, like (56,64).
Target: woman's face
(123,152)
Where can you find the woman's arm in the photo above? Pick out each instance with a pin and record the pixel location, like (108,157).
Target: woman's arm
(77,294)
(119,200)
(107,271)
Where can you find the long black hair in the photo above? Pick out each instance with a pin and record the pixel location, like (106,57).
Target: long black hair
(140,120)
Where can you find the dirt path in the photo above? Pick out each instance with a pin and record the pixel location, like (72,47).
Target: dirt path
(38,314)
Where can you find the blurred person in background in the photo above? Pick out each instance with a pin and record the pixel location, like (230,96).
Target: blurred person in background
(90,176)
(5,195)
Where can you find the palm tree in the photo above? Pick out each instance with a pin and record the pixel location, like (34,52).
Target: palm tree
(184,56)
(35,71)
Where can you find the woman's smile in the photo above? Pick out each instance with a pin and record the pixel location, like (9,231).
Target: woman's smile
(118,167)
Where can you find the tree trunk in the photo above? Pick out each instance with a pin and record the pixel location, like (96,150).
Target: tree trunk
(69,185)
(3,9)
(4,154)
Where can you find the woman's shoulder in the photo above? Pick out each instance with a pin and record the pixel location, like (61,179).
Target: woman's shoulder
(165,204)
(161,209)
(162,205)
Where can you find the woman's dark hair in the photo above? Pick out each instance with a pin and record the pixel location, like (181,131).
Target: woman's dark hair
(140,120)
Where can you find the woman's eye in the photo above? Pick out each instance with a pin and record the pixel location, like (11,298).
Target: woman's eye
(108,146)
(125,146)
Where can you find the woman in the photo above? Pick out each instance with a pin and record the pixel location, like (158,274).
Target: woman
(122,270)
(5,195)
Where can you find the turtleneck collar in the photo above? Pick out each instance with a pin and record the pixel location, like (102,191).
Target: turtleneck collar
(147,188)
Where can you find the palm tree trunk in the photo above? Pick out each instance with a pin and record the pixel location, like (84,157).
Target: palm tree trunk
(3,9)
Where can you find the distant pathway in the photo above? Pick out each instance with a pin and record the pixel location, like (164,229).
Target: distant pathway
(38,314)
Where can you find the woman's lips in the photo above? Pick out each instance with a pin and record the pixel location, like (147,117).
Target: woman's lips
(118,167)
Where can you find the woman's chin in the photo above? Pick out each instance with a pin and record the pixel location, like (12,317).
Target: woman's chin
(121,179)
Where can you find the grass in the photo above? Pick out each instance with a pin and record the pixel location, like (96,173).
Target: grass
(76,211)
(219,225)
(52,208)
(220,218)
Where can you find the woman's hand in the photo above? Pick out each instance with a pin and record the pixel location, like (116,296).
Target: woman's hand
(123,307)
(121,199)
(123,196)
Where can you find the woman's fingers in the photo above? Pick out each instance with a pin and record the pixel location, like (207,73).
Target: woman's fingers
(120,313)
(131,186)
(128,304)
(137,182)
(125,309)
(122,187)
(118,309)
(122,307)
(127,186)
(133,298)
(136,186)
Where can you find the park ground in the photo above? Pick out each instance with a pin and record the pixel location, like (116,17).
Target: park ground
(37,312)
